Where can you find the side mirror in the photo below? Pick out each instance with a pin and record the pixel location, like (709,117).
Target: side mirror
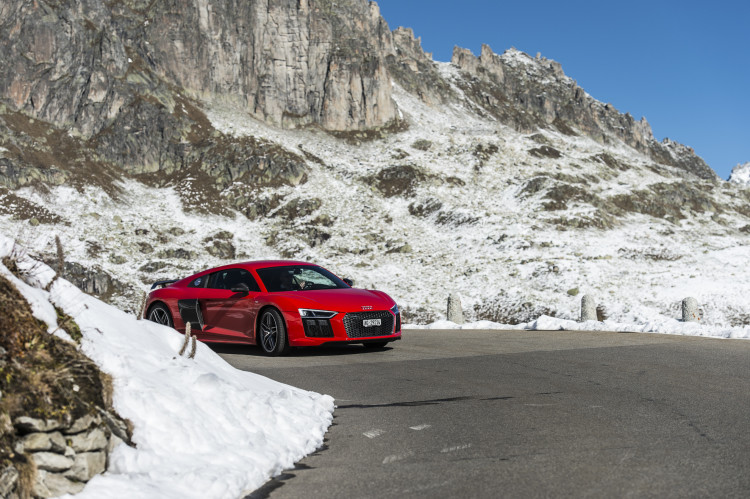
(240,288)
(349,282)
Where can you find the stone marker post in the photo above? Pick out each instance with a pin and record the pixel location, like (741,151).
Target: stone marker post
(690,310)
(455,312)
(588,308)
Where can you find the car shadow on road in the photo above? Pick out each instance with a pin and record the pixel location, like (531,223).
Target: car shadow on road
(322,351)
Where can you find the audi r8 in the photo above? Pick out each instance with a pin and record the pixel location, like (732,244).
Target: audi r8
(275,305)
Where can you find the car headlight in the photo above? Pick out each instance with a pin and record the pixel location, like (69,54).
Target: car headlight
(395,310)
(307,313)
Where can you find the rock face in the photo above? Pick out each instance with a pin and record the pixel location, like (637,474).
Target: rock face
(288,62)
(121,84)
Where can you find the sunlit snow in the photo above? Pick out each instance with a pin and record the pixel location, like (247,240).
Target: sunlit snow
(202,428)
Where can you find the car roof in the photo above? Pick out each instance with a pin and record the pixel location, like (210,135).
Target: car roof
(257,264)
(253,265)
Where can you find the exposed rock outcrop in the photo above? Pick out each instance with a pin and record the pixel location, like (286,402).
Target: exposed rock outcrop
(291,63)
(57,423)
(530,93)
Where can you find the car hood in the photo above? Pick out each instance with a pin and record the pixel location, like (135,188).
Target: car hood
(339,300)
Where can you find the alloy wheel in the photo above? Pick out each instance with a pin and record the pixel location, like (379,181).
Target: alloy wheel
(269,332)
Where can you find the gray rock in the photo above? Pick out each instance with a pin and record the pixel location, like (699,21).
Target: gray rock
(222,249)
(152,267)
(54,485)
(690,310)
(90,441)
(49,461)
(455,312)
(422,144)
(8,480)
(26,424)
(40,488)
(82,424)
(93,280)
(536,94)
(35,442)
(588,308)
(86,466)
(180,253)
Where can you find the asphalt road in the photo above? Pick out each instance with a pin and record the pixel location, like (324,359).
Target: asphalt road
(523,414)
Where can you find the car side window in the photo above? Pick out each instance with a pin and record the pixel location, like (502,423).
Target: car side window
(229,278)
(248,279)
(198,282)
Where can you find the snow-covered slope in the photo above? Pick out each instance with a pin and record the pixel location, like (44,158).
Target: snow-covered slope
(519,223)
(201,428)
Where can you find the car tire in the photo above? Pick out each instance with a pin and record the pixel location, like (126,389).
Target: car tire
(375,344)
(272,338)
(160,314)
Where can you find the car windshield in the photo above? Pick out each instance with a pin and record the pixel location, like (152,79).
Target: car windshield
(299,278)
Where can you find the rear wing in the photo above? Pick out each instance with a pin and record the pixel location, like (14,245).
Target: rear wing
(163,283)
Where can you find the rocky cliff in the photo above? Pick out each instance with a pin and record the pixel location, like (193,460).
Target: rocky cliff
(158,138)
(78,64)
(122,84)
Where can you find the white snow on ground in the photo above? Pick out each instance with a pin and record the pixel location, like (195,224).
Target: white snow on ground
(741,174)
(546,323)
(202,428)
(491,240)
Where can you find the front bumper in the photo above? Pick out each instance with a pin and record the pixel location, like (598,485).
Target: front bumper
(312,335)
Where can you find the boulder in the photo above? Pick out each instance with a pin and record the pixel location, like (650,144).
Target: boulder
(36,442)
(90,441)
(26,424)
(55,485)
(82,424)
(49,461)
(86,466)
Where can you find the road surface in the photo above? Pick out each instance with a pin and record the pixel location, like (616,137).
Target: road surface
(523,414)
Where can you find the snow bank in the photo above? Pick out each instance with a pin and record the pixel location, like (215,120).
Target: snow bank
(546,323)
(202,428)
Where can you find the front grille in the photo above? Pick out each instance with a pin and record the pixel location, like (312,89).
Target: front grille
(317,328)
(353,322)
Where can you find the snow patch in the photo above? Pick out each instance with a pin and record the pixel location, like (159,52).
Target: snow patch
(741,175)
(202,428)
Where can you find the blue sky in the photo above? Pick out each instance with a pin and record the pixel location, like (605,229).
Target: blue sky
(685,65)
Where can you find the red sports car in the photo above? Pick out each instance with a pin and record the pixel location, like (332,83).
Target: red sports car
(274,304)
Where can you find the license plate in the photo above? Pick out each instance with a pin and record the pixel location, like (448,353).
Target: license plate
(371,322)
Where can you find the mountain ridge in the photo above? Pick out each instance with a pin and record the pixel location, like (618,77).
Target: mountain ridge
(496,165)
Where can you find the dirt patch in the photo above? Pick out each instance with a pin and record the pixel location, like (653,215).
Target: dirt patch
(23,209)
